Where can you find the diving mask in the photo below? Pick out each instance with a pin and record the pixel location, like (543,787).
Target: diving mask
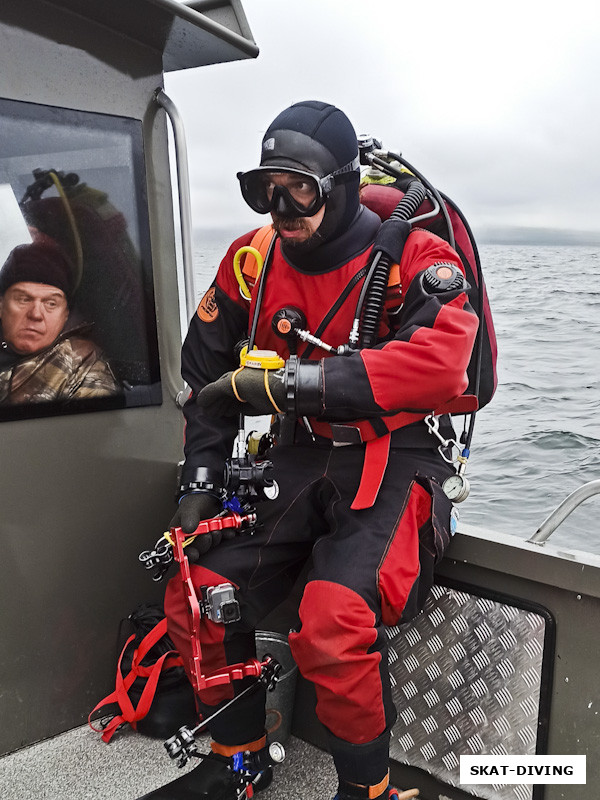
(289,192)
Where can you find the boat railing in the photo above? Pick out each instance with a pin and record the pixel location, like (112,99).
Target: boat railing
(183,191)
(568,505)
(185,211)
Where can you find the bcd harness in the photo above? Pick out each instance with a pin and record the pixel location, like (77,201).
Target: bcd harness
(374,432)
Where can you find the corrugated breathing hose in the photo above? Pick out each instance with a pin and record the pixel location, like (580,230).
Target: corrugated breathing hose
(374,289)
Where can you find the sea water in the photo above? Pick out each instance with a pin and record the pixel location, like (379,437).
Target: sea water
(538,439)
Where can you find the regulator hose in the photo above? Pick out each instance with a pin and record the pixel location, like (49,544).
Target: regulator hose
(374,289)
(391,170)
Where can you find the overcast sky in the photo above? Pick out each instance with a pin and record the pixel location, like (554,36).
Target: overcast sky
(497,104)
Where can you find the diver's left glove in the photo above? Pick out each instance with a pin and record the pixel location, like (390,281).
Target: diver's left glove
(248,390)
(295,390)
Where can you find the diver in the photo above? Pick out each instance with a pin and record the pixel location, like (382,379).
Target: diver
(359,475)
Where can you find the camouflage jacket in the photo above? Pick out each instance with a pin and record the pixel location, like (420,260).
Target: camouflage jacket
(72,368)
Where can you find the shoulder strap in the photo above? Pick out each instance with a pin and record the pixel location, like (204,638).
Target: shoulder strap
(394,278)
(261,242)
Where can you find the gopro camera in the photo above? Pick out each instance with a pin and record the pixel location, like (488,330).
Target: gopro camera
(219,603)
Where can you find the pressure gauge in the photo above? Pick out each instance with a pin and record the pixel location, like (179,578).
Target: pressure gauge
(271,492)
(456,488)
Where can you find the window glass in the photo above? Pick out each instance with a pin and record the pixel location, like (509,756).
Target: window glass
(74,230)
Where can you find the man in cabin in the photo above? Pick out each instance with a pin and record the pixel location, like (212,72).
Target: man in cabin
(42,358)
(359,476)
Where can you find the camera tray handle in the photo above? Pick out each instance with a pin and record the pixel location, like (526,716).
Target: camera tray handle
(231,520)
(250,669)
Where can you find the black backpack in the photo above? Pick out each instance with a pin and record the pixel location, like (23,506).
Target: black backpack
(152,692)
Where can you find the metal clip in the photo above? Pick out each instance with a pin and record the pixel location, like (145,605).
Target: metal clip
(157,559)
(182,746)
(433,424)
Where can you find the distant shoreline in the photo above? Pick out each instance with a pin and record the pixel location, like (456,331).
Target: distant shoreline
(537,237)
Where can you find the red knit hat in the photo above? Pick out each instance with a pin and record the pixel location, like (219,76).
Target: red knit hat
(39,263)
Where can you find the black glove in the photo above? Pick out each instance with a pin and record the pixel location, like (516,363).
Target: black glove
(193,508)
(219,399)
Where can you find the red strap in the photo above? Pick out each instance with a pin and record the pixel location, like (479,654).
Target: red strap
(151,638)
(123,684)
(147,643)
(261,241)
(376,457)
(129,713)
(460,405)
(363,426)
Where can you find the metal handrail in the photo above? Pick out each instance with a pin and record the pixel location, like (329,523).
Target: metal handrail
(185,204)
(576,498)
(185,212)
(193,12)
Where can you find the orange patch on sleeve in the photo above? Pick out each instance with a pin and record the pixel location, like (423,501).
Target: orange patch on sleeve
(208,310)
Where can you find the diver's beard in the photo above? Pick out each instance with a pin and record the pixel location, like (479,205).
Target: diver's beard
(313,241)
(289,223)
(296,224)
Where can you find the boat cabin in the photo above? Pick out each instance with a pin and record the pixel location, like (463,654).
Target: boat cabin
(88,483)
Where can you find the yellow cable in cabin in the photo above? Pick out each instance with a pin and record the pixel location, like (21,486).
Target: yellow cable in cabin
(73,224)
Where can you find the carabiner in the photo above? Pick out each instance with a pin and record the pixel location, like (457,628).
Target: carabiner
(433,424)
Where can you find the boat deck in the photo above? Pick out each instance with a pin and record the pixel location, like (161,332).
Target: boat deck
(78,765)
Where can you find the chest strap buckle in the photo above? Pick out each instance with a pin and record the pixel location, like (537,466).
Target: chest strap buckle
(343,435)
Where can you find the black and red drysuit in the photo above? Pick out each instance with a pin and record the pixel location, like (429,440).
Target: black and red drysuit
(372,565)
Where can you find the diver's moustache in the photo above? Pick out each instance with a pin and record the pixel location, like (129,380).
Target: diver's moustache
(289,223)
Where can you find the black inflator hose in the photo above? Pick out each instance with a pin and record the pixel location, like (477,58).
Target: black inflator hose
(375,286)
(390,169)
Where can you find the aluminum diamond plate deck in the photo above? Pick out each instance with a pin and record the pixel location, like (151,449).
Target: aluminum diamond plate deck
(466,678)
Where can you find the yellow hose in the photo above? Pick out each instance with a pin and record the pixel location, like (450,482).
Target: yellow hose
(73,224)
(169,538)
(245,291)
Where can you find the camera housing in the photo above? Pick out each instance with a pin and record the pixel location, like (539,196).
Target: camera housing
(219,603)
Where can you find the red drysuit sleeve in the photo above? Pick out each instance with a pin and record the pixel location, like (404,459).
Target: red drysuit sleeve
(424,365)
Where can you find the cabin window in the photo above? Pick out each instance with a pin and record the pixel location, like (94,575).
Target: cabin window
(77,313)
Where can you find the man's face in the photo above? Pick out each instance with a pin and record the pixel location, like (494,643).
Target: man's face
(33,315)
(295,230)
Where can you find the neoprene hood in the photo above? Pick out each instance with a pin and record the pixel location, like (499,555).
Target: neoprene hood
(319,138)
